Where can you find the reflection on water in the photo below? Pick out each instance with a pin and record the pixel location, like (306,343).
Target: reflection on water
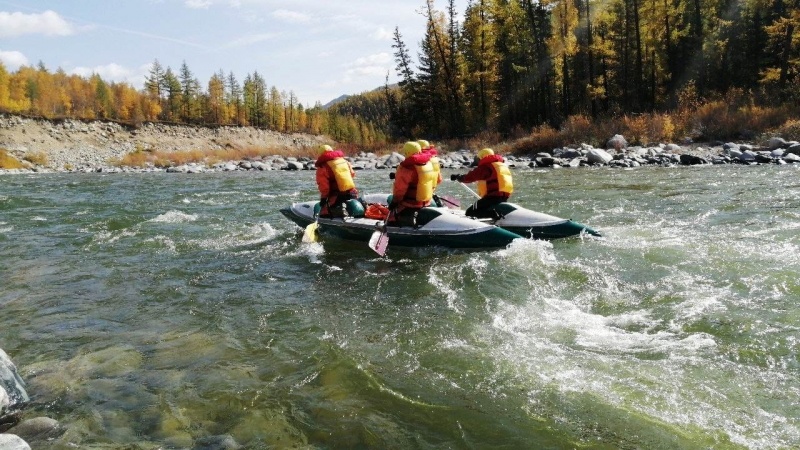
(175,311)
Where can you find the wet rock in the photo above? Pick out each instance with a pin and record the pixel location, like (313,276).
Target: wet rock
(598,156)
(12,388)
(791,158)
(13,442)
(37,429)
(691,160)
(747,156)
(224,442)
(293,165)
(777,142)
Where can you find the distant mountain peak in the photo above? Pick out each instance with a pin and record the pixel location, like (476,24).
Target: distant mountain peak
(338,99)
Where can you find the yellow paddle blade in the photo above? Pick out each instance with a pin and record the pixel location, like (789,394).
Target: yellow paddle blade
(310,235)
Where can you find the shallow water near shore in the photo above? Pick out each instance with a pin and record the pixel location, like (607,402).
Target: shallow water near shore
(160,310)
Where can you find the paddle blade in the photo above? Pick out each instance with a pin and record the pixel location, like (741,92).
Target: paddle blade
(378,242)
(310,235)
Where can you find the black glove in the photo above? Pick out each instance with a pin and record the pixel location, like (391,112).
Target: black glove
(456,177)
(391,175)
(393,206)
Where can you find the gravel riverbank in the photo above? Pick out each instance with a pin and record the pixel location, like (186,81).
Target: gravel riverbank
(76,146)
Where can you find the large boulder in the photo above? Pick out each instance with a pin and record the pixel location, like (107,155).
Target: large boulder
(598,156)
(692,160)
(12,388)
(618,142)
(393,160)
(13,442)
(777,142)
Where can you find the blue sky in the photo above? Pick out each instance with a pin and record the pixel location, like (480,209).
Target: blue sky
(318,49)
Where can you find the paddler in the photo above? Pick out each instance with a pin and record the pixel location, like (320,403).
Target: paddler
(335,182)
(413,188)
(428,148)
(494,183)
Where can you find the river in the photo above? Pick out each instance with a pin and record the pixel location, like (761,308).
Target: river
(177,311)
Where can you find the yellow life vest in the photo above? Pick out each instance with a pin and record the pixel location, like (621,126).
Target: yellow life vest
(426,182)
(341,171)
(500,181)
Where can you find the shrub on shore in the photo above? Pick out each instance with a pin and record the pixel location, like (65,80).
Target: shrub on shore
(8,162)
(37,158)
(163,159)
(724,119)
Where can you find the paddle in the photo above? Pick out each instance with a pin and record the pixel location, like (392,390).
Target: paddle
(310,235)
(470,190)
(379,240)
(452,202)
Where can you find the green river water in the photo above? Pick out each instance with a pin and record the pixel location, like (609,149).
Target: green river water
(169,311)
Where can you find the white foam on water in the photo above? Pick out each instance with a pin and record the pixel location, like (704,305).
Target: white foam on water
(164,241)
(555,344)
(313,251)
(250,235)
(435,278)
(174,217)
(627,343)
(524,252)
(110,237)
(38,219)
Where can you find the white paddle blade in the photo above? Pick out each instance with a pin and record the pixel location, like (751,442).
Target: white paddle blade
(378,242)
(310,235)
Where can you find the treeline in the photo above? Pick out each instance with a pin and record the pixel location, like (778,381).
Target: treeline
(513,65)
(176,98)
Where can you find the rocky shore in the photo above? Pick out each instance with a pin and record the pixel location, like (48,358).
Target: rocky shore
(75,146)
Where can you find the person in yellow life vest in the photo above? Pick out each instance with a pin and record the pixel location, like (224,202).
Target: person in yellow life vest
(494,183)
(335,181)
(437,167)
(414,182)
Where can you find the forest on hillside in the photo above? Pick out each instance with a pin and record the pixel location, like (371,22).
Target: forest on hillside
(172,97)
(574,70)
(510,66)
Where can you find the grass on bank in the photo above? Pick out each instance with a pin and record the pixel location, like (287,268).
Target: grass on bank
(9,162)
(732,118)
(163,159)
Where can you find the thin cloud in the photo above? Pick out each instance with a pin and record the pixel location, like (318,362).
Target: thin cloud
(244,41)
(372,66)
(48,23)
(13,60)
(114,72)
(198,4)
(291,16)
(377,58)
(382,34)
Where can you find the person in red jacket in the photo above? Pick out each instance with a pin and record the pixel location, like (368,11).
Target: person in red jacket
(494,183)
(413,188)
(335,182)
